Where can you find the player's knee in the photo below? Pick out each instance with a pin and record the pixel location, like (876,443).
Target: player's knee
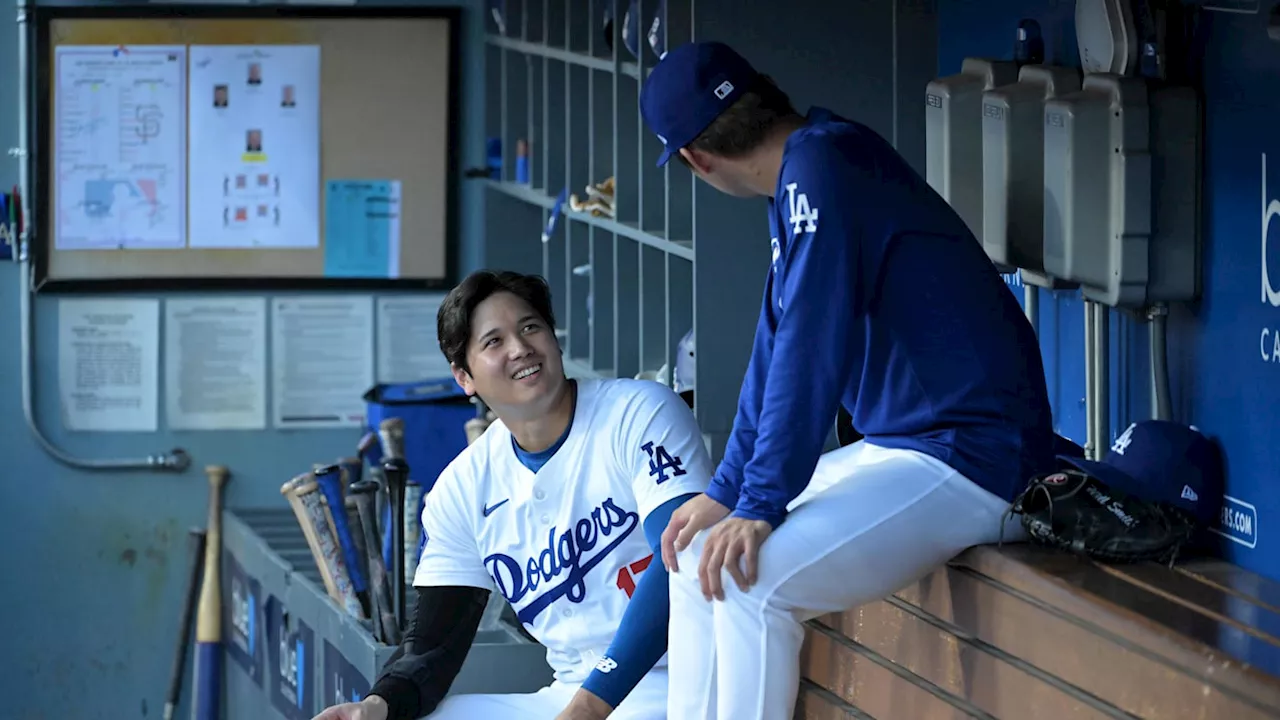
(687,559)
(458,707)
(687,564)
(756,597)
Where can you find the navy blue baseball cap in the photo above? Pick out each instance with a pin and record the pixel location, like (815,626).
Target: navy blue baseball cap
(689,88)
(1162,461)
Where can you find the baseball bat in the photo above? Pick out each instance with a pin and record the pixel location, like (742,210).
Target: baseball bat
(308,532)
(397,472)
(476,426)
(364,450)
(329,478)
(365,493)
(195,550)
(391,439)
(357,536)
(352,468)
(352,473)
(357,541)
(208,664)
(391,435)
(412,528)
(303,490)
(365,444)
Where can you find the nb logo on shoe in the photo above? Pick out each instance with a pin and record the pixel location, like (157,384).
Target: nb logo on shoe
(660,461)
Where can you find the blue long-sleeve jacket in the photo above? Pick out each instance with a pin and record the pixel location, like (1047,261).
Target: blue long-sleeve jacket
(878,298)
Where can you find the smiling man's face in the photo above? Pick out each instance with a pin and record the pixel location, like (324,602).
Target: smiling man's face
(515,360)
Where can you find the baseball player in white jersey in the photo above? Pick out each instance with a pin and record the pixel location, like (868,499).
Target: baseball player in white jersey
(879,300)
(559,506)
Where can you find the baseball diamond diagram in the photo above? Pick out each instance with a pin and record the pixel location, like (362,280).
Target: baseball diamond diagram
(121,147)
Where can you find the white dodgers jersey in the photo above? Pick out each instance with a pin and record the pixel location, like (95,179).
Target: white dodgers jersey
(566,545)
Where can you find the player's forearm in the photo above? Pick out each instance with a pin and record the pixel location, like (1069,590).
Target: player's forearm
(728,479)
(641,639)
(813,357)
(584,704)
(818,335)
(785,459)
(441,629)
(640,642)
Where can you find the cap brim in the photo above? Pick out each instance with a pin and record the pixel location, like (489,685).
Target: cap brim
(664,158)
(1115,479)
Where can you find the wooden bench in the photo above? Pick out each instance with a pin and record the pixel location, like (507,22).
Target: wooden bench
(1023,633)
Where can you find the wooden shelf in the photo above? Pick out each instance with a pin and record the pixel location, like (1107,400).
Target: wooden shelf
(623,285)
(629,68)
(541,198)
(627,287)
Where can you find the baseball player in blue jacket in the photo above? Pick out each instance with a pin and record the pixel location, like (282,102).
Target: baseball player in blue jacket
(877,299)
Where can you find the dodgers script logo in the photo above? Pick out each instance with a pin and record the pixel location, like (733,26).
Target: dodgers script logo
(607,527)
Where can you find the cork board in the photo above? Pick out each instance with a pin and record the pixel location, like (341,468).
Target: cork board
(387,101)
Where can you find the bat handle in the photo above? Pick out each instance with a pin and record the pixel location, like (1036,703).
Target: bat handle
(366,443)
(391,436)
(352,469)
(330,482)
(365,495)
(217,475)
(412,528)
(195,551)
(397,473)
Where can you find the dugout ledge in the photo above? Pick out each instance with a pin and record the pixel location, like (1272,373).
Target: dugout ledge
(290,650)
(1024,632)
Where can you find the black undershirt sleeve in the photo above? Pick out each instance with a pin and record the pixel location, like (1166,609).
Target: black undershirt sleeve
(441,629)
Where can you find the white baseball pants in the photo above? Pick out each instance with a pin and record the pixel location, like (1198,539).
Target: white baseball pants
(647,701)
(871,521)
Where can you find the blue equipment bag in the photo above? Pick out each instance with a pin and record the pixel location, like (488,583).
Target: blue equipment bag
(435,412)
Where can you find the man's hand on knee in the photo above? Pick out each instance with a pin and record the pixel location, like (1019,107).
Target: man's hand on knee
(732,546)
(687,521)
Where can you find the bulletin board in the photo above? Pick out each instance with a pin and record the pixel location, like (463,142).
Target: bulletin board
(177,147)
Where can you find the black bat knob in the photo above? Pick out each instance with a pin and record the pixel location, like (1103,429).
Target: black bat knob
(396,471)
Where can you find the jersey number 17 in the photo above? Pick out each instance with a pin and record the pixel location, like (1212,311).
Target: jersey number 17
(628,574)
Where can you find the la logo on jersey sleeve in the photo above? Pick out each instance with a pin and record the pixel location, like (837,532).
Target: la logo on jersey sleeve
(662,465)
(803,218)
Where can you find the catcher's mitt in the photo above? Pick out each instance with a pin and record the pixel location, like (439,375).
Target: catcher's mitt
(1072,511)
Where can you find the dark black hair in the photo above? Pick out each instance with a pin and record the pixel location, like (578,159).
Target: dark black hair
(745,124)
(453,321)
